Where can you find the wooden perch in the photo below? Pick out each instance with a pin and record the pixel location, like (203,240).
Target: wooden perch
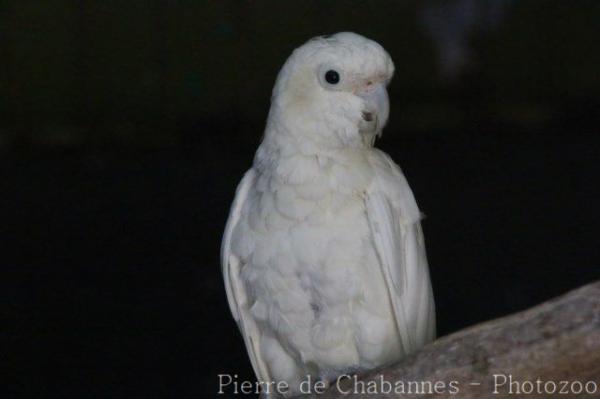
(556,343)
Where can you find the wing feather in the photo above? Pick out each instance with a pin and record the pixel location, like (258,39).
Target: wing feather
(236,291)
(398,240)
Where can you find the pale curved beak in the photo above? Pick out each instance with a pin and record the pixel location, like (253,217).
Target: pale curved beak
(376,108)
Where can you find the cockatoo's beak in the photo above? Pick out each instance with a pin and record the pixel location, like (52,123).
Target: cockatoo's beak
(376,109)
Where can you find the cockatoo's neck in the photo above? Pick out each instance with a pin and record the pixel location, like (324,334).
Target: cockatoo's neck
(312,133)
(296,160)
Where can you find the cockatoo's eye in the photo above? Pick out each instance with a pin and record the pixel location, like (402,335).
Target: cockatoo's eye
(332,77)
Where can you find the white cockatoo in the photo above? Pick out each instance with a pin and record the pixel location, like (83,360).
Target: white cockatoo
(323,255)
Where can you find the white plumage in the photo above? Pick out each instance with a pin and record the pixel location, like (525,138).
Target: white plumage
(323,255)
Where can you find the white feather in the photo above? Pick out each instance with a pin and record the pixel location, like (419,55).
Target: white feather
(398,238)
(236,292)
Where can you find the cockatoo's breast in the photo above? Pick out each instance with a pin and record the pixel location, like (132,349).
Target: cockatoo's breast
(310,266)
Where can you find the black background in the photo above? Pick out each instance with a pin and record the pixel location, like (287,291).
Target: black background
(126,126)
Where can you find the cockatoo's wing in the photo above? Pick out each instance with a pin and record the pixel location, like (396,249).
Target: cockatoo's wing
(236,291)
(396,231)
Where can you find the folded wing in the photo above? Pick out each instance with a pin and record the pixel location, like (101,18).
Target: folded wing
(398,239)
(236,291)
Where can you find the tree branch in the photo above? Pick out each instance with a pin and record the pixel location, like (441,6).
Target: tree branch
(556,341)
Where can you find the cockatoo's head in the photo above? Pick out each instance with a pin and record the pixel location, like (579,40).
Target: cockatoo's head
(332,92)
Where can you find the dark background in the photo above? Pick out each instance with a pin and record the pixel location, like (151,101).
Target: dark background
(126,126)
